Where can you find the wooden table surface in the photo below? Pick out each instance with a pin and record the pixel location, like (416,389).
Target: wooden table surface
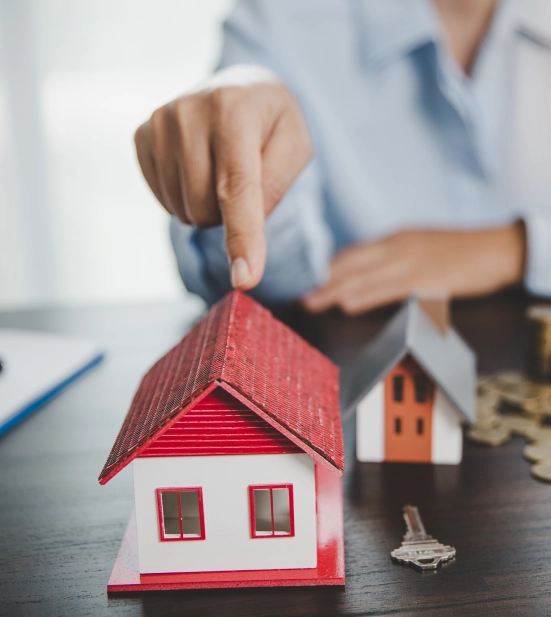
(60,531)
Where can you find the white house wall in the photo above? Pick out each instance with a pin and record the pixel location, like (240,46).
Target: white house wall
(228,544)
(447,434)
(370,426)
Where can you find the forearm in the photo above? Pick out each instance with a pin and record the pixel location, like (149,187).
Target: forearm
(465,263)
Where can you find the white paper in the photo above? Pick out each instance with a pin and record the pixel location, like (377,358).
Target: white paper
(35,363)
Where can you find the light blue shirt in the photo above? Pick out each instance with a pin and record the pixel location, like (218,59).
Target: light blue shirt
(402,138)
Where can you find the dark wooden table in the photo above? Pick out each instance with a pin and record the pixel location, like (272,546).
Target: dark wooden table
(60,531)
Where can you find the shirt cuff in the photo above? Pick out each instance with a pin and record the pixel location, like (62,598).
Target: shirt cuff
(192,265)
(537,278)
(300,243)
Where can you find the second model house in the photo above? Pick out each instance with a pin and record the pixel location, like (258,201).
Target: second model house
(414,387)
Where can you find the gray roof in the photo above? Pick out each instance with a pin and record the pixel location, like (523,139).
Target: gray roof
(446,358)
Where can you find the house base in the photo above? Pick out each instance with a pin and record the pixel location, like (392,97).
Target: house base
(125,576)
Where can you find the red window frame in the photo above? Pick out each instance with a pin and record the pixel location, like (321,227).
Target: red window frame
(271,487)
(182,537)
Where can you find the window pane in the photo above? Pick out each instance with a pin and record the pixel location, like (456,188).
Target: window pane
(189,501)
(282,510)
(262,512)
(420,388)
(397,426)
(171,519)
(420,426)
(398,383)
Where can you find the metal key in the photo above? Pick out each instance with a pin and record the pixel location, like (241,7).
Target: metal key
(419,549)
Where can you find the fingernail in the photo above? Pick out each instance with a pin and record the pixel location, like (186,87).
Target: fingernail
(240,272)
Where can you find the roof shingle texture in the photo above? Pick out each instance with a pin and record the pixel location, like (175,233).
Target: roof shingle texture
(241,343)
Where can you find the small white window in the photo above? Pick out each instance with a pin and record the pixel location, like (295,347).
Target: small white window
(181,514)
(271,509)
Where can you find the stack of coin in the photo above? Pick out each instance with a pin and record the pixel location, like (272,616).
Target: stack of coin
(538,360)
(539,453)
(510,404)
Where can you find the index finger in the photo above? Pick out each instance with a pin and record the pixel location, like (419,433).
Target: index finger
(238,173)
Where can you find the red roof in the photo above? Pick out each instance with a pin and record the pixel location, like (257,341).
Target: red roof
(241,347)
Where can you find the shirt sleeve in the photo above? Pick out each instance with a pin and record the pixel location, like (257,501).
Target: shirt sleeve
(300,247)
(537,277)
(300,243)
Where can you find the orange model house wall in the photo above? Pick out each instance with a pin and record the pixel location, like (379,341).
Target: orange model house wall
(409,402)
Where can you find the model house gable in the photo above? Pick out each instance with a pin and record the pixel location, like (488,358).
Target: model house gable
(219,424)
(445,357)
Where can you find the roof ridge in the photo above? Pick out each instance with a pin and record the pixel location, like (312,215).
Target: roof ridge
(206,322)
(412,307)
(233,300)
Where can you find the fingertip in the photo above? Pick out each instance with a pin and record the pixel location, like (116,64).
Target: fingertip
(247,258)
(240,273)
(246,271)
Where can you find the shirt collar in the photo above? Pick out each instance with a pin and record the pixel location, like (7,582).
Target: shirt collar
(394,28)
(532,18)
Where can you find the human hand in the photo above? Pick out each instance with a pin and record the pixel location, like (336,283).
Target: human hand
(465,263)
(227,153)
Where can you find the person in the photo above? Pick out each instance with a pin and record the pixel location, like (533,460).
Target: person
(348,152)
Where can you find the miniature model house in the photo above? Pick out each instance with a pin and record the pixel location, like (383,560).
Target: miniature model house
(413,388)
(236,444)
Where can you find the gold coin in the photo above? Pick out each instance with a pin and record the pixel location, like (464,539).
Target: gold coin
(532,406)
(538,353)
(537,407)
(537,451)
(542,470)
(539,312)
(543,390)
(486,423)
(487,414)
(514,392)
(509,377)
(518,424)
(545,411)
(488,398)
(495,436)
(538,433)
(482,380)
(483,411)
(519,393)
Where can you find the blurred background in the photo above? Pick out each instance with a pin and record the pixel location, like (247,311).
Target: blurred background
(78,224)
